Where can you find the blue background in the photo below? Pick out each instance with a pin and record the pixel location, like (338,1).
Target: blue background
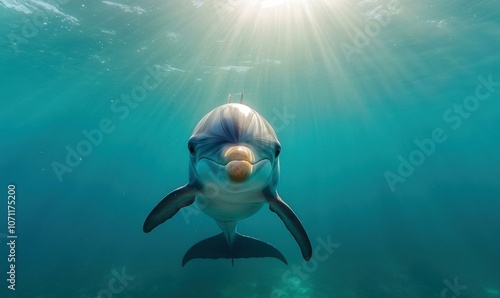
(360,81)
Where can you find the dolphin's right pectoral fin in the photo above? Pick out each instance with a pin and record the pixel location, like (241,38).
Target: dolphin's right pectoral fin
(217,247)
(292,222)
(169,206)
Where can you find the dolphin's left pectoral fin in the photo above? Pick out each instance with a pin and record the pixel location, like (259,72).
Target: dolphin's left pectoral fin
(169,206)
(291,221)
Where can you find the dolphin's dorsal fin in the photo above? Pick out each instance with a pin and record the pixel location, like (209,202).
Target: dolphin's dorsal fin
(229,98)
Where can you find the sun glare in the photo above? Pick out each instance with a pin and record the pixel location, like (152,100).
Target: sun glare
(255,44)
(276,3)
(270,4)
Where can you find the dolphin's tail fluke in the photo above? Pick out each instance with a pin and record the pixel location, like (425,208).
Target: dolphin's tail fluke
(216,247)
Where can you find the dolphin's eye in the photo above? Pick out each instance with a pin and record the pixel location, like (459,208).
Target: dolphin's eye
(277,151)
(191,148)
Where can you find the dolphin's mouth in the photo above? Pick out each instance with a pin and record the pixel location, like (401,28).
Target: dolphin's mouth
(213,172)
(225,164)
(216,166)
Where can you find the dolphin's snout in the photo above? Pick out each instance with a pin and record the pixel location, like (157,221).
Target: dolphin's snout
(239,162)
(239,170)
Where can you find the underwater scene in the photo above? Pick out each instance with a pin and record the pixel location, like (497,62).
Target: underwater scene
(250,149)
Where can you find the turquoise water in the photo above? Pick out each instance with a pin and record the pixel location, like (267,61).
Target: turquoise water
(387,113)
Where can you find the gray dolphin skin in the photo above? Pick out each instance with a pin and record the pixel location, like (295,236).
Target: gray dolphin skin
(233,172)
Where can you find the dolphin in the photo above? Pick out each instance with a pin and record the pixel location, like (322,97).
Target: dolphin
(233,172)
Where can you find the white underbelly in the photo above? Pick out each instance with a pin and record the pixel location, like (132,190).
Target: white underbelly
(229,210)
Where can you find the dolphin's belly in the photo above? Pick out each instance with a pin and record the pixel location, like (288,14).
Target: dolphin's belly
(223,209)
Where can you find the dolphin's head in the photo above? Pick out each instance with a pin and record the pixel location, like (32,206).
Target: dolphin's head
(233,148)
